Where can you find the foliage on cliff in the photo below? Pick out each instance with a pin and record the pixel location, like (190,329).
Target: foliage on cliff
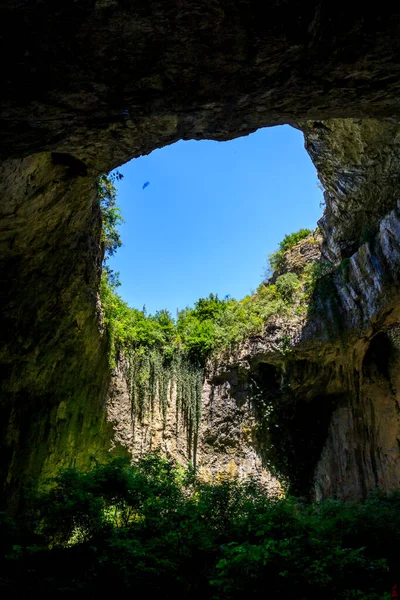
(167,355)
(275,259)
(155,528)
(211,325)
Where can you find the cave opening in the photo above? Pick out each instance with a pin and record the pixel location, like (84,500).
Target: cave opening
(379,356)
(122,80)
(202,217)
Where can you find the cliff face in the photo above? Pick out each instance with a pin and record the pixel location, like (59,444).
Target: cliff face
(89,85)
(358,165)
(224,444)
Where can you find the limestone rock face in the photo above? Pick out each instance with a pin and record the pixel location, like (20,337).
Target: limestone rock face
(88,85)
(295,259)
(358,164)
(306,251)
(226,443)
(362,450)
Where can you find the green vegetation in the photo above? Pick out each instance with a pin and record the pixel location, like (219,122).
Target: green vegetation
(288,286)
(110,213)
(212,325)
(167,356)
(155,528)
(276,258)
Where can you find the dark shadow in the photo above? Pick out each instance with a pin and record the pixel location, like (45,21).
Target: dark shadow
(293,429)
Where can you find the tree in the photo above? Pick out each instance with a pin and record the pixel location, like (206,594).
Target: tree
(110,213)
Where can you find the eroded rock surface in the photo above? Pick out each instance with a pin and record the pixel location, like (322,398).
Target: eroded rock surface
(358,164)
(107,80)
(224,444)
(53,358)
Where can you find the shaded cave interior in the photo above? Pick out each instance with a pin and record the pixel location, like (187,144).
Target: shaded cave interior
(292,427)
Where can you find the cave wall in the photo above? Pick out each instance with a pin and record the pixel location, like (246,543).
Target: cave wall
(226,442)
(107,80)
(53,359)
(358,165)
(362,450)
(89,85)
(323,426)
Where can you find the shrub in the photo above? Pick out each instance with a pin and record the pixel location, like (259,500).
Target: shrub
(288,285)
(154,527)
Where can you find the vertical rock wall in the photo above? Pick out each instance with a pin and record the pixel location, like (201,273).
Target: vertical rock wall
(225,444)
(53,359)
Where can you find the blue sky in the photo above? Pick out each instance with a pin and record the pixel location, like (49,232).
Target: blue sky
(212,213)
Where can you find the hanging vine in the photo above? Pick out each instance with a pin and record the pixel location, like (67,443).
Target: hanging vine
(153,377)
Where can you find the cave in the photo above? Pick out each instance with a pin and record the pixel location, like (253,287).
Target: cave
(90,85)
(379,358)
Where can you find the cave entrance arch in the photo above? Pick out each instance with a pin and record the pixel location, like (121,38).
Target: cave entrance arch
(210,215)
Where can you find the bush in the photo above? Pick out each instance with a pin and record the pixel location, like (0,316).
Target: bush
(156,528)
(288,286)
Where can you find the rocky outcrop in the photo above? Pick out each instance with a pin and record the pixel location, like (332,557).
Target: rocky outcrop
(224,444)
(306,251)
(295,259)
